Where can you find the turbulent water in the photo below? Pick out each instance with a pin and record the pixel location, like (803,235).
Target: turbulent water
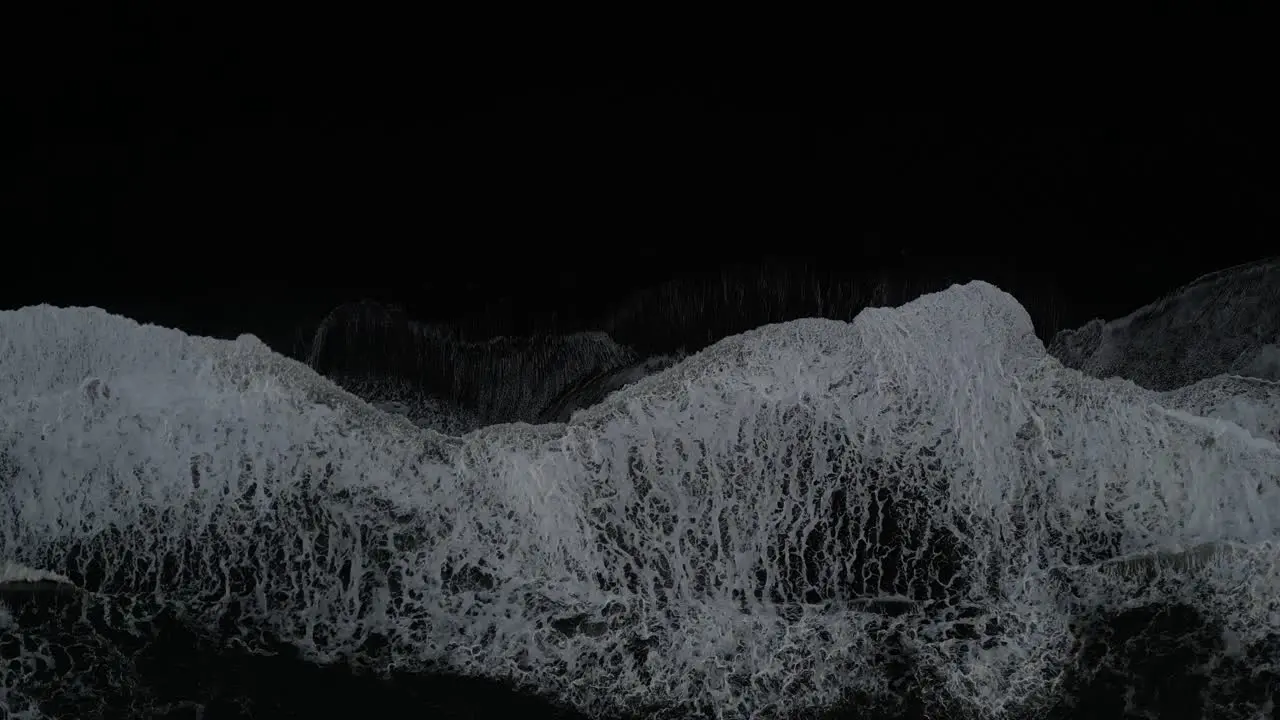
(919,512)
(1226,322)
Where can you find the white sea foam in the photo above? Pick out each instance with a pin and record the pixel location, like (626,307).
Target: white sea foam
(707,537)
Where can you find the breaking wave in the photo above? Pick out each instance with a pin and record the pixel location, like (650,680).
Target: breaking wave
(921,506)
(1226,322)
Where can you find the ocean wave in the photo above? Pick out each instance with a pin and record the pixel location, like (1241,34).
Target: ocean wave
(774,524)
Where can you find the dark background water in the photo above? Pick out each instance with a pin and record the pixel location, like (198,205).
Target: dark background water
(225,175)
(231,173)
(521,219)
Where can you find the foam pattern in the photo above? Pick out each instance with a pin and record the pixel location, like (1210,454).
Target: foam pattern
(770,524)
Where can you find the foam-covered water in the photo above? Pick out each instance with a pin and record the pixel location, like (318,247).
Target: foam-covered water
(921,502)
